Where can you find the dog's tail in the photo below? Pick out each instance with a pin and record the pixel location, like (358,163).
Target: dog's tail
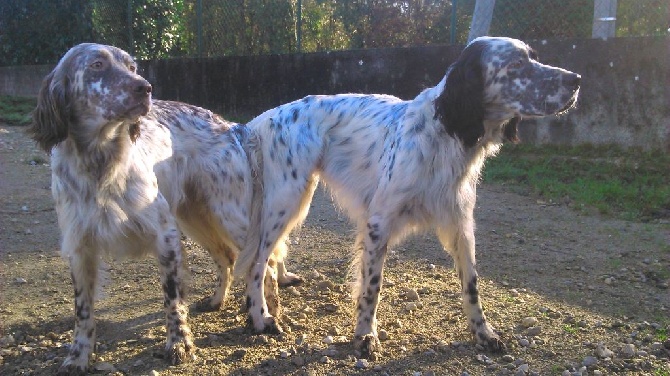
(254,150)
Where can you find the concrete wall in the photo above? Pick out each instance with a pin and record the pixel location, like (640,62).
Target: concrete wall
(23,80)
(625,97)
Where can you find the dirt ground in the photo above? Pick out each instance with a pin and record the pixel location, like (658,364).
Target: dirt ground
(570,294)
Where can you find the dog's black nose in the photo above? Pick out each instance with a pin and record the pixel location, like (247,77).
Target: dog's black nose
(143,88)
(572,80)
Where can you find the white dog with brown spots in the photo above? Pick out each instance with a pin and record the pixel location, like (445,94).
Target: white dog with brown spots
(129,172)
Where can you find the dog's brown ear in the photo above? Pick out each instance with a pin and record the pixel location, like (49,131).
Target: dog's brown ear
(52,114)
(134,131)
(510,130)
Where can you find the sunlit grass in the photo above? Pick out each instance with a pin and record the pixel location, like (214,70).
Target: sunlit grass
(629,184)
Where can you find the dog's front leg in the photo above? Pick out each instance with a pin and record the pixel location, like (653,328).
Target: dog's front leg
(461,242)
(179,347)
(84,271)
(371,245)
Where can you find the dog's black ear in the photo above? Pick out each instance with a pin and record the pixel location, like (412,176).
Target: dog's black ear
(510,130)
(51,116)
(460,107)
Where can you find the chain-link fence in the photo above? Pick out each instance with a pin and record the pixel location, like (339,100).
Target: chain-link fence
(205,28)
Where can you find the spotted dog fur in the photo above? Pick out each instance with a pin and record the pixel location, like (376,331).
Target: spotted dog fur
(128,173)
(397,167)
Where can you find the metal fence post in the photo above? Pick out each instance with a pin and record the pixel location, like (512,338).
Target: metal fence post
(481,19)
(198,26)
(129,21)
(452,33)
(299,27)
(604,19)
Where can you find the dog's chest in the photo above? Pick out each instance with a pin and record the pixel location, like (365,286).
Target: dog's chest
(105,206)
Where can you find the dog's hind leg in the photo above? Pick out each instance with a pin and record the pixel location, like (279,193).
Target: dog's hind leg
(179,346)
(271,290)
(84,271)
(284,277)
(224,257)
(284,211)
(460,241)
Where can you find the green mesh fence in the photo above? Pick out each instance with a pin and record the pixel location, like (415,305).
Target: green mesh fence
(205,28)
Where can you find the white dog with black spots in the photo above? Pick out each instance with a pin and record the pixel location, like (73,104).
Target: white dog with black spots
(397,167)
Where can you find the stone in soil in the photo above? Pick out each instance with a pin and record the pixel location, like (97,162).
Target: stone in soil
(411,295)
(603,352)
(534,331)
(383,335)
(362,364)
(293,291)
(522,370)
(527,322)
(325,285)
(589,361)
(299,361)
(627,351)
(331,307)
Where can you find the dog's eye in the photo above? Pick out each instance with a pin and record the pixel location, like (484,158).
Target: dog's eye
(96,65)
(517,64)
(133,68)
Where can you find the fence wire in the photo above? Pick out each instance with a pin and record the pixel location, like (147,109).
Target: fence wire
(206,28)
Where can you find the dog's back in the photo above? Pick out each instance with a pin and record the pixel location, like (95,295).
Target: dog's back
(204,172)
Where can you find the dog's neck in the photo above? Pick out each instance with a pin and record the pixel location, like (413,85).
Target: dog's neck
(108,156)
(494,136)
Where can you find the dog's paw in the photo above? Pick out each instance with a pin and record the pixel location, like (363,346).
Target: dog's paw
(489,339)
(272,326)
(368,345)
(290,279)
(180,351)
(76,363)
(207,305)
(71,369)
(269,325)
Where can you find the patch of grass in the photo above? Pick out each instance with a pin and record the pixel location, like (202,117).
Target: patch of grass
(557,369)
(570,329)
(628,184)
(37,160)
(16,110)
(615,263)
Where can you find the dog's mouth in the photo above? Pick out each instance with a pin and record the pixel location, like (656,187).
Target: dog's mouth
(549,108)
(139,109)
(570,104)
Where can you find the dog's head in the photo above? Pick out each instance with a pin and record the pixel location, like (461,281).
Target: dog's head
(91,88)
(499,80)
(516,84)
